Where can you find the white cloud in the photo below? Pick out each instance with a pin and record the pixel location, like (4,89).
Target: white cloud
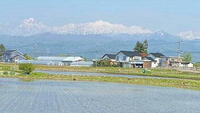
(102,27)
(189,35)
(31,27)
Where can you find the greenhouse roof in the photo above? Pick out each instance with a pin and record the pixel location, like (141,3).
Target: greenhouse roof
(63,59)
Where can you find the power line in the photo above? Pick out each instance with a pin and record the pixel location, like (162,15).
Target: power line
(179,51)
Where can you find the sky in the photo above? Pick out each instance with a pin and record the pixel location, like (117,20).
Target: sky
(173,16)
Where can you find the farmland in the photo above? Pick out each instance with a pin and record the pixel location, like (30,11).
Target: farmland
(49,96)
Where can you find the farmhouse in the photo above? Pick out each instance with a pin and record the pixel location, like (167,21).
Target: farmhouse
(159,58)
(149,62)
(133,59)
(177,62)
(110,57)
(12,56)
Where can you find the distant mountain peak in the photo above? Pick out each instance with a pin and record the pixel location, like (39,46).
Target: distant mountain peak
(31,26)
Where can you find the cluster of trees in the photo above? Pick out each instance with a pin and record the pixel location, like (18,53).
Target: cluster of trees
(27,68)
(28,57)
(106,63)
(2,49)
(197,64)
(141,47)
(186,57)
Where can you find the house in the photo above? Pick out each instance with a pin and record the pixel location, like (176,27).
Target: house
(159,58)
(178,62)
(12,56)
(130,59)
(128,56)
(149,62)
(110,57)
(186,65)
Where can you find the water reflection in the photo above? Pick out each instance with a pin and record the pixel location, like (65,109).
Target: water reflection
(48,96)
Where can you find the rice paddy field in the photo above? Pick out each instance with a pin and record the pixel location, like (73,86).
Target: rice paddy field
(157,72)
(50,96)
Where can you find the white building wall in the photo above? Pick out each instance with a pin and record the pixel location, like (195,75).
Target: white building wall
(154,64)
(157,62)
(122,58)
(190,65)
(137,58)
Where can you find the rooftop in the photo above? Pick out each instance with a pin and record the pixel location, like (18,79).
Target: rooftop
(160,55)
(149,58)
(55,58)
(131,53)
(111,56)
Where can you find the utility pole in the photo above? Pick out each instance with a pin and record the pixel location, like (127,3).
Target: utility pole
(179,51)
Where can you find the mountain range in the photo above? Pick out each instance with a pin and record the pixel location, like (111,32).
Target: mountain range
(93,39)
(96,45)
(30,26)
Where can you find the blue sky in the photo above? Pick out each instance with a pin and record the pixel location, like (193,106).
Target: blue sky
(172,16)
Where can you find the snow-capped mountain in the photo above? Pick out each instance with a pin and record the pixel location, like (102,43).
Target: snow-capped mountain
(32,27)
(93,45)
(36,38)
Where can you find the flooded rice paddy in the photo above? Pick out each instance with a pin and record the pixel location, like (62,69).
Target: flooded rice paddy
(97,74)
(48,96)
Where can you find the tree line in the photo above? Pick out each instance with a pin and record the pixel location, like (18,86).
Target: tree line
(142,47)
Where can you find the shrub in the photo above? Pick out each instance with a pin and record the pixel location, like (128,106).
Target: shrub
(5,73)
(12,72)
(146,71)
(6,68)
(27,68)
(106,63)
(27,57)
(197,64)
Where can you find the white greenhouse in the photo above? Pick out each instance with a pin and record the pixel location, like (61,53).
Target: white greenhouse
(59,61)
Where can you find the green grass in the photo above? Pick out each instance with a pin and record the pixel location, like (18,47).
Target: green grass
(187,80)
(170,73)
(176,83)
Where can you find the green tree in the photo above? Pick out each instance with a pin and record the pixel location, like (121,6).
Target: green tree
(85,58)
(2,49)
(145,46)
(27,57)
(186,57)
(27,68)
(139,47)
(197,64)
(142,47)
